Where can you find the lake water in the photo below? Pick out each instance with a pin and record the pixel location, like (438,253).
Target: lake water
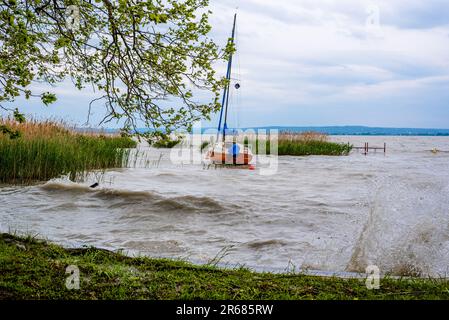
(332,214)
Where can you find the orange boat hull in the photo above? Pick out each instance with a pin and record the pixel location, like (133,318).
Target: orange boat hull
(222,158)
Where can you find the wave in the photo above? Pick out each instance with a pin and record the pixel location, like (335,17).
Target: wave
(122,198)
(407,231)
(266,243)
(55,185)
(190,202)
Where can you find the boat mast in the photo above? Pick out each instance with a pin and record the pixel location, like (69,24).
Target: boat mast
(225,101)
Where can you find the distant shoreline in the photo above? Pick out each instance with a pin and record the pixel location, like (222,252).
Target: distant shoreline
(329,130)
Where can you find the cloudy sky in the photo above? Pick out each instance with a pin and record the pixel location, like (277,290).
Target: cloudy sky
(325,62)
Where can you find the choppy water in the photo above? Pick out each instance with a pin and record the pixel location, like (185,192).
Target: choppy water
(322,213)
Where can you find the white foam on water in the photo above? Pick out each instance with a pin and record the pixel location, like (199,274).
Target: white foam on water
(407,231)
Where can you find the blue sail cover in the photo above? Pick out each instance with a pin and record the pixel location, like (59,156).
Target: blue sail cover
(234,150)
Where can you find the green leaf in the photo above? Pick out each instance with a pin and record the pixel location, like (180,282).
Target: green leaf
(48,98)
(19,117)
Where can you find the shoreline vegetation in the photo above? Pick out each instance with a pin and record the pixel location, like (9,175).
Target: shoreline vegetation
(166,143)
(308,143)
(40,151)
(36,269)
(36,151)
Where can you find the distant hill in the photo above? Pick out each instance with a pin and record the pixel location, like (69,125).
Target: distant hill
(342,130)
(364,131)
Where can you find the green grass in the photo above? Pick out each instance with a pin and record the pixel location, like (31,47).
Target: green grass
(166,143)
(46,150)
(294,144)
(32,269)
(302,148)
(297,148)
(324,148)
(310,148)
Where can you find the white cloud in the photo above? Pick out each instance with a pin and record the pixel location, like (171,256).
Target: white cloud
(305,52)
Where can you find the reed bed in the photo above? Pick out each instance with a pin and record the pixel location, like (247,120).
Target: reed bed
(300,144)
(46,150)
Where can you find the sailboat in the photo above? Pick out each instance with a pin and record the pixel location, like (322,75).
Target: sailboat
(225,151)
